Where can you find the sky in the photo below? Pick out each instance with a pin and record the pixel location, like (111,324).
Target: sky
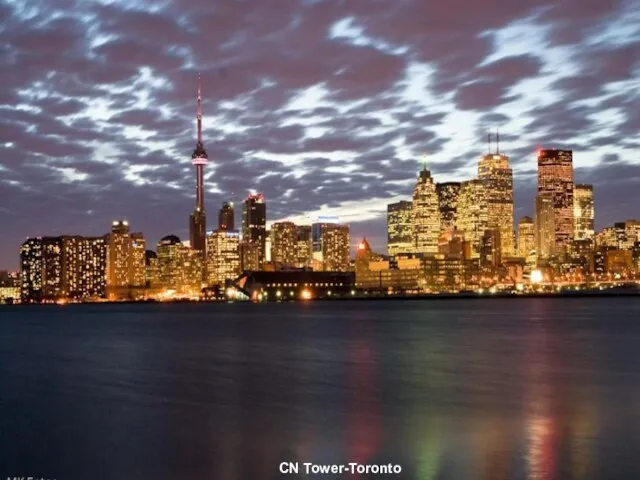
(327,107)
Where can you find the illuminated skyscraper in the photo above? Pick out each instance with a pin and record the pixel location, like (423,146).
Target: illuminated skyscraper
(497,176)
(223,256)
(303,246)
(31,270)
(555,178)
(199,158)
(425,215)
(448,204)
(152,271)
(526,238)
(84,266)
(285,239)
(249,256)
(399,228)
(254,228)
(545,226)
(137,260)
(583,212)
(473,216)
(170,262)
(226,217)
(336,248)
(118,255)
(41,272)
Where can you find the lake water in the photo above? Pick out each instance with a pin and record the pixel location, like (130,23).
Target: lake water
(539,388)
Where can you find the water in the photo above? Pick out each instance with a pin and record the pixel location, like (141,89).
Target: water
(544,388)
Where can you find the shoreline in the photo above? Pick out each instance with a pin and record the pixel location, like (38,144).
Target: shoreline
(607,293)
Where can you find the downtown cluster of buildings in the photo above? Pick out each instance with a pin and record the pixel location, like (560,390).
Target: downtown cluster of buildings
(448,237)
(461,235)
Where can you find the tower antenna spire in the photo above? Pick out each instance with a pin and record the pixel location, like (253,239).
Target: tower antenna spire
(199,112)
(497,141)
(489,142)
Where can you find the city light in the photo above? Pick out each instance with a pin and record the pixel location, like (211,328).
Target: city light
(536,277)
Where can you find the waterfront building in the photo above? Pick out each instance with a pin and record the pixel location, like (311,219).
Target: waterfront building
(249,256)
(425,215)
(118,255)
(583,212)
(607,237)
(303,246)
(199,159)
(490,249)
(473,214)
(527,239)
(496,175)
(448,194)
(399,228)
(170,259)
(555,179)
(226,217)
(336,248)
(631,234)
(152,271)
(223,256)
(284,243)
(84,265)
(294,284)
(137,261)
(31,263)
(317,232)
(254,227)
(546,232)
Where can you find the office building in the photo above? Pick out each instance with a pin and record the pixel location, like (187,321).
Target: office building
(137,260)
(399,228)
(226,220)
(336,248)
(555,179)
(303,246)
(546,231)
(425,215)
(473,214)
(448,204)
(526,239)
(583,212)
(496,175)
(118,255)
(254,226)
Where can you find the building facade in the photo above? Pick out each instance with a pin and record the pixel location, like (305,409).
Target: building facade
(399,228)
(425,215)
(303,246)
(583,212)
(226,217)
(526,238)
(473,217)
(448,194)
(496,174)
(284,243)
(555,179)
(545,227)
(223,256)
(336,248)
(254,225)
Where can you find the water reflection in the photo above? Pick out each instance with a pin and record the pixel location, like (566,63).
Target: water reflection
(531,389)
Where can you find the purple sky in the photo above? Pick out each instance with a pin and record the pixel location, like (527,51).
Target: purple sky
(324,106)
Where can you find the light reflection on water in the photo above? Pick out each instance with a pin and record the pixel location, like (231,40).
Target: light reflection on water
(488,389)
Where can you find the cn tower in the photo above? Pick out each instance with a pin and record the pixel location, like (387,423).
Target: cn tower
(199,158)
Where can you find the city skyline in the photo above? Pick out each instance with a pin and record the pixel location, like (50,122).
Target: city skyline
(107,136)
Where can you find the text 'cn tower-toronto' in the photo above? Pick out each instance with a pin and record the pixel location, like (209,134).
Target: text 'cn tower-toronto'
(198,219)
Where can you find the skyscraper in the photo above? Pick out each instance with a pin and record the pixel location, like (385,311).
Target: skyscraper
(497,176)
(448,204)
(545,226)
(137,260)
(226,219)
(84,266)
(303,246)
(583,212)
(285,239)
(254,227)
(425,214)
(473,216)
(199,158)
(223,256)
(118,255)
(526,238)
(336,248)
(399,228)
(555,178)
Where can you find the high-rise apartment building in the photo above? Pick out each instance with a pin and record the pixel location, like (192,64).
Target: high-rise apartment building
(84,266)
(473,216)
(555,178)
(496,174)
(448,204)
(223,256)
(226,219)
(425,215)
(137,260)
(170,259)
(583,212)
(31,270)
(400,228)
(284,243)
(545,226)
(526,238)
(336,248)
(254,224)
(249,256)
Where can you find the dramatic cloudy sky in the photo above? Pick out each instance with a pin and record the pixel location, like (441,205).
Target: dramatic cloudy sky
(324,106)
